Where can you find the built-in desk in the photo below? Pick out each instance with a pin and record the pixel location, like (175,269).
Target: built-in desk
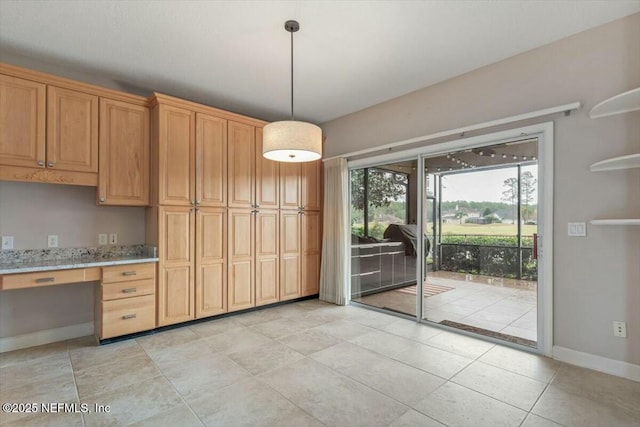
(125,286)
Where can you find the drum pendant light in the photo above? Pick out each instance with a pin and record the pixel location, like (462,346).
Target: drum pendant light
(290,140)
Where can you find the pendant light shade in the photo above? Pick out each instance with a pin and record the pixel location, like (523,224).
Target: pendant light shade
(290,140)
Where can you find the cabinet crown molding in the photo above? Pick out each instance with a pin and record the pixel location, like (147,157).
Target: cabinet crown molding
(37,76)
(159,98)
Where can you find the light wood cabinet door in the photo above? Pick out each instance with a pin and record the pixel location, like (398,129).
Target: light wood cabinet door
(267,178)
(72,130)
(176,155)
(123,177)
(290,191)
(311,185)
(267,256)
(241,169)
(23,121)
(176,271)
(311,252)
(211,272)
(241,261)
(290,255)
(211,161)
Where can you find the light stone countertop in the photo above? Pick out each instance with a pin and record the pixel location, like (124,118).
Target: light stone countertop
(66,264)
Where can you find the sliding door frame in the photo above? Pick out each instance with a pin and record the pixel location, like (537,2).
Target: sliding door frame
(544,133)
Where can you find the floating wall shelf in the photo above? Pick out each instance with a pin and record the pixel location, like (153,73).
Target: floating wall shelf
(615,221)
(623,162)
(623,103)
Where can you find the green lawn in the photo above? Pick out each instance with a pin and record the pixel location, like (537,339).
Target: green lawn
(486,229)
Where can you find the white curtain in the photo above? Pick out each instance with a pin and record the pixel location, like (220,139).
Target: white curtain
(334,272)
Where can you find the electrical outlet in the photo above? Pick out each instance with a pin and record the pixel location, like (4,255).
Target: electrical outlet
(113,239)
(102,239)
(577,229)
(52,241)
(619,329)
(7,242)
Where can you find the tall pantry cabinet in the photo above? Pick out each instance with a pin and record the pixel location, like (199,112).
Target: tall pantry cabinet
(187,220)
(224,233)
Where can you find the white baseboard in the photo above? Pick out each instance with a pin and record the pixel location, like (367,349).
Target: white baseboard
(597,363)
(45,337)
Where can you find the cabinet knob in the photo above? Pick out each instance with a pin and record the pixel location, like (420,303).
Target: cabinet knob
(101,199)
(40,162)
(198,202)
(193,202)
(50,164)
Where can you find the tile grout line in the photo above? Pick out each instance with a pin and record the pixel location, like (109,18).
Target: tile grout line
(75,383)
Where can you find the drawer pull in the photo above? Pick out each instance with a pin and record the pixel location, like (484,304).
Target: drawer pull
(46,279)
(128,316)
(129,290)
(129,273)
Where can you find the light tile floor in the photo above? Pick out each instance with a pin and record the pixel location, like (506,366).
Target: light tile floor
(310,364)
(492,303)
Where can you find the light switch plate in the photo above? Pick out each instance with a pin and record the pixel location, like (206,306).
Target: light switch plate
(102,239)
(7,242)
(113,239)
(52,241)
(577,229)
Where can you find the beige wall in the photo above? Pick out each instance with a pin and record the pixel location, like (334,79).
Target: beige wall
(30,212)
(597,278)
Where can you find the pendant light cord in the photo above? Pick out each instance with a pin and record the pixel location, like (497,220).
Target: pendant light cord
(292,76)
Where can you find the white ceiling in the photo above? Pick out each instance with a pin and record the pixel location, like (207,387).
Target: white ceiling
(349,55)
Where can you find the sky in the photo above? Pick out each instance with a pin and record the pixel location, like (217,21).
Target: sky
(480,186)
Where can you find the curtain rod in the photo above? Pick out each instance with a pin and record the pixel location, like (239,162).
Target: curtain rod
(566,108)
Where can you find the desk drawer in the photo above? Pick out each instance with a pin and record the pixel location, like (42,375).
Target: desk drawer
(134,288)
(128,315)
(129,272)
(42,278)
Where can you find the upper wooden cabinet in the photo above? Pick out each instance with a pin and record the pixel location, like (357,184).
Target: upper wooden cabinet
(301,185)
(50,133)
(22,115)
(176,155)
(72,130)
(240,163)
(124,154)
(191,157)
(211,161)
(267,178)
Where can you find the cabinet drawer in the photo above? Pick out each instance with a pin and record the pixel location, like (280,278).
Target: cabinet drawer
(130,289)
(43,278)
(129,272)
(128,315)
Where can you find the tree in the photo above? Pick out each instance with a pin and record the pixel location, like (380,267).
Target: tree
(527,190)
(384,187)
(510,194)
(487,211)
